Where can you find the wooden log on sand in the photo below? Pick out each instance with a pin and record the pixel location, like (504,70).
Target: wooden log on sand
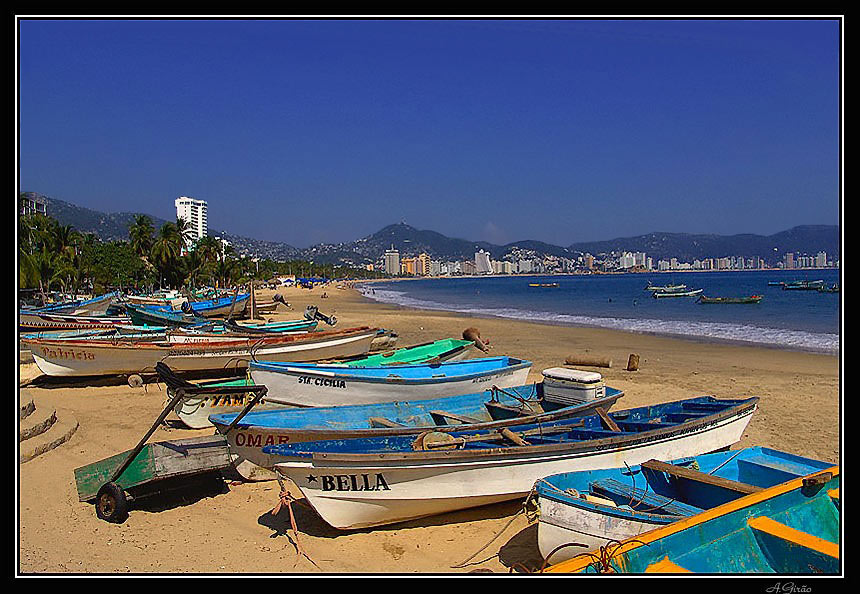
(633,362)
(587,360)
(474,335)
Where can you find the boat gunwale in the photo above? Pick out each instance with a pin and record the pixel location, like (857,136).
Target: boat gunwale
(410,430)
(214,345)
(743,409)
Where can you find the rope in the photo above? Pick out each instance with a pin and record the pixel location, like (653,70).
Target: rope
(285,499)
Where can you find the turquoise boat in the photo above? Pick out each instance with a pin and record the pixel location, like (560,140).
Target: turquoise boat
(598,507)
(790,528)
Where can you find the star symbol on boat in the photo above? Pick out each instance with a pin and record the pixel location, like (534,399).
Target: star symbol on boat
(311,478)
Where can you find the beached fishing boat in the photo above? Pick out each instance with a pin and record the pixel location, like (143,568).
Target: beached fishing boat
(194,411)
(171,299)
(790,528)
(88,307)
(145,315)
(494,409)
(726,300)
(333,385)
(46,321)
(595,507)
(357,483)
(659,294)
(108,357)
(234,306)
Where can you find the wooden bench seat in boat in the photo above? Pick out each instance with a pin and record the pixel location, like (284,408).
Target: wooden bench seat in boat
(701,477)
(440,417)
(648,501)
(377,422)
(501,411)
(770,470)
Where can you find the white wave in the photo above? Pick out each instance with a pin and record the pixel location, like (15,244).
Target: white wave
(778,337)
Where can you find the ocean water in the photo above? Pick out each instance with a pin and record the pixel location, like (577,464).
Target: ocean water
(796,320)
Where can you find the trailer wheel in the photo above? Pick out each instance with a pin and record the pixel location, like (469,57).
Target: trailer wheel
(135,381)
(112,504)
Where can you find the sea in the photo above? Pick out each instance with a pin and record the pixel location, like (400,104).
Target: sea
(795,320)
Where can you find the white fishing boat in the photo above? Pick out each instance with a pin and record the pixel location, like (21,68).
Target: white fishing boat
(108,357)
(358,483)
(333,385)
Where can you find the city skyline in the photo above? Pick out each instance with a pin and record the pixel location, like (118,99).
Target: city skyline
(558,130)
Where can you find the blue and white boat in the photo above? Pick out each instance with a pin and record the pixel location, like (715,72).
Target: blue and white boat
(222,306)
(595,507)
(491,409)
(362,482)
(334,385)
(791,528)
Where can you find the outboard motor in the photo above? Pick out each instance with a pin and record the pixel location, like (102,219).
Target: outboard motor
(186,307)
(278,298)
(312,313)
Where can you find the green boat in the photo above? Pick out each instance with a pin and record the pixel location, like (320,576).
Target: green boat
(194,411)
(750,299)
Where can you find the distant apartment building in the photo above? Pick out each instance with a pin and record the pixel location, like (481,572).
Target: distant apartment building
(423,265)
(821,260)
(409,266)
(391,262)
(788,260)
(194,212)
(482,263)
(468,267)
(32,204)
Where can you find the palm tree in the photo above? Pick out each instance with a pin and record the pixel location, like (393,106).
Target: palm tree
(140,233)
(183,228)
(166,249)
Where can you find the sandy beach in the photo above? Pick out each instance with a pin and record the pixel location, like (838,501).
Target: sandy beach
(229,528)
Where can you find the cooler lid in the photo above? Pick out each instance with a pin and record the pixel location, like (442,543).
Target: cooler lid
(572,375)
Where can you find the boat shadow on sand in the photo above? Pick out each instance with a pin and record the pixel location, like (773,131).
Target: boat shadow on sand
(520,553)
(149,380)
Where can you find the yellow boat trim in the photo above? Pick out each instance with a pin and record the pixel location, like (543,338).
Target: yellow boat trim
(666,565)
(804,539)
(578,564)
(834,493)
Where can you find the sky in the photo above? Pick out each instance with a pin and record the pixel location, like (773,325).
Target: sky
(309,131)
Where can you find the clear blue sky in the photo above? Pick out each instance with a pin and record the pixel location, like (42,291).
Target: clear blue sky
(561,131)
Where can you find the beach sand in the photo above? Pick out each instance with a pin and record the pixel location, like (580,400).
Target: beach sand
(230,529)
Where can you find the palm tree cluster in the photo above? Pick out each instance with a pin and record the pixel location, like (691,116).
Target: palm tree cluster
(207,262)
(51,255)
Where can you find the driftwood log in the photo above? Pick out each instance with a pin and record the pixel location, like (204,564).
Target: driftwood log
(588,360)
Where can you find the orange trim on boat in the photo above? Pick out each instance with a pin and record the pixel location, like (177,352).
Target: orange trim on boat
(578,564)
(792,535)
(666,565)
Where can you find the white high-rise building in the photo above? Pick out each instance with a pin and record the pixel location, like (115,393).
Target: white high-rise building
(482,263)
(392,261)
(194,212)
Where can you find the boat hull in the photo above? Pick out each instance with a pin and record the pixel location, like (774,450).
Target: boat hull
(350,492)
(91,358)
(306,387)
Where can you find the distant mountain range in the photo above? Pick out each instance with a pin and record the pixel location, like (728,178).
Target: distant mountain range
(686,247)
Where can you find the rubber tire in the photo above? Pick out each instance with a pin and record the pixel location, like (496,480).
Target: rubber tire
(135,381)
(112,504)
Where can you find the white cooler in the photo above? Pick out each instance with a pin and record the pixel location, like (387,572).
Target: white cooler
(572,386)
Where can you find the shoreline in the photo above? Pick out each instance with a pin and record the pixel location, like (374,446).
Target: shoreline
(233,531)
(696,338)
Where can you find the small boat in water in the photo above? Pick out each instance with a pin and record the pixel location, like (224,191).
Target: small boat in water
(724,300)
(363,482)
(544,285)
(803,285)
(834,288)
(659,294)
(665,288)
(790,528)
(595,507)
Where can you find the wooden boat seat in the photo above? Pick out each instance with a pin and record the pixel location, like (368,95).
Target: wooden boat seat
(640,426)
(513,411)
(440,417)
(608,422)
(649,501)
(793,537)
(376,422)
(701,477)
